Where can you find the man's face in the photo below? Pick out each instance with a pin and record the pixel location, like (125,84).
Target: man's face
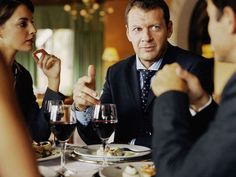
(148,33)
(219,32)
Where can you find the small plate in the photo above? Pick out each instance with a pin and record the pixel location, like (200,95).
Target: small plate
(55,154)
(89,152)
(117,169)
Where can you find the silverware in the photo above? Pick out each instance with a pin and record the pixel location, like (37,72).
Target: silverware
(73,147)
(135,150)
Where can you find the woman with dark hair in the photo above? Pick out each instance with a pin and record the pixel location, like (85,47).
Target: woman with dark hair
(17,33)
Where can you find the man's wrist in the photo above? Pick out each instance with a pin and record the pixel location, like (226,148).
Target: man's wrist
(83,117)
(77,108)
(203,104)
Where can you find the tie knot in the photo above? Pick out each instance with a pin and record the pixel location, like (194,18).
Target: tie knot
(147,74)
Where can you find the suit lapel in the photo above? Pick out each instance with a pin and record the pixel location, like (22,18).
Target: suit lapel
(168,58)
(133,76)
(133,81)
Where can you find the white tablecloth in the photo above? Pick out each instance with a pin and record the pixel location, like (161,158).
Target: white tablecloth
(82,169)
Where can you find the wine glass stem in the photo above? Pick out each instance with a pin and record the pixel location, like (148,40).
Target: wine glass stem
(63,158)
(104,145)
(54,141)
(104,160)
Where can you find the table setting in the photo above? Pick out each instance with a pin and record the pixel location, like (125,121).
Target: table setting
(97,160)
(87,164)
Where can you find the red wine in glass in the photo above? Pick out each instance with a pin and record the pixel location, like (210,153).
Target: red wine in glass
(47,104)
(104,128)
(104,121)
(62,130)
(62,124)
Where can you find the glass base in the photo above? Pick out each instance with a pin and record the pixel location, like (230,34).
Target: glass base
(65,172)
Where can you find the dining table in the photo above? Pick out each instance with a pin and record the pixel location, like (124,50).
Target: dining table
(81,167)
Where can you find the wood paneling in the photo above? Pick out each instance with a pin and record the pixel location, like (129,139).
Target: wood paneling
(51,2)
(60,2)
(115,31)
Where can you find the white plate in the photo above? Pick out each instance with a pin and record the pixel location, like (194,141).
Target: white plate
(55,154)
(89,152)
(117,169)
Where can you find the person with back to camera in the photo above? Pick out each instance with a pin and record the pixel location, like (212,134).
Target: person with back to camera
(175,152)
(148,28)
(17,156)
(17,33)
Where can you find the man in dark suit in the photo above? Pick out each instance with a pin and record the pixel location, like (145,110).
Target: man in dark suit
(175,151)
(148,28)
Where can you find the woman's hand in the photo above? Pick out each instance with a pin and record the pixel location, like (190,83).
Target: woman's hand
(51,67)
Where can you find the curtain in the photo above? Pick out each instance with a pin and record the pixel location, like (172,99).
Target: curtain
(88,43)
(88,48)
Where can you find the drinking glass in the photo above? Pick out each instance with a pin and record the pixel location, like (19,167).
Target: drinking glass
(104,122)
(62,124)
(47,110)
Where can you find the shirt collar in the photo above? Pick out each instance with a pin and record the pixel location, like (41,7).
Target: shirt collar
(155,66)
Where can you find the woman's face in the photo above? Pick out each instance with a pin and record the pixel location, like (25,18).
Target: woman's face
(18,33)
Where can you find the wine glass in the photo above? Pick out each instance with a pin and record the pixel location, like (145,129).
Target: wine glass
(62,123)
(104,122)
(47,110)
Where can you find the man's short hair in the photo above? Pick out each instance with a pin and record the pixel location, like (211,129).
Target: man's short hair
(221,4)
(148,5)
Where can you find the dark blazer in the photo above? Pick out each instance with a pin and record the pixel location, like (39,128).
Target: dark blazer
(37,125)
(122,88)
(177,154)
